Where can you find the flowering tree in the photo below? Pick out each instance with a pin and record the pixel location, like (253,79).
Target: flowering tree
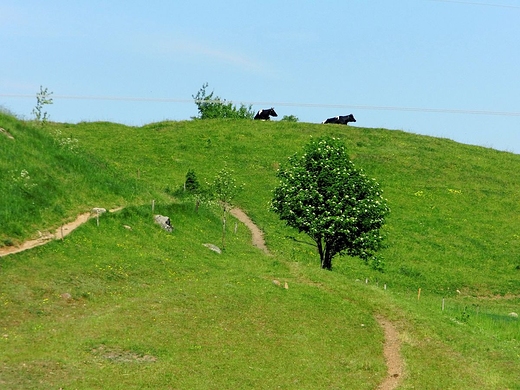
(322,194)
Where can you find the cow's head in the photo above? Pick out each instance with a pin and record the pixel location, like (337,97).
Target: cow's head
(350,118)
(272,112)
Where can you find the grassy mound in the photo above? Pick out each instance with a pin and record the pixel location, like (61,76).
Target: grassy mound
(128,305)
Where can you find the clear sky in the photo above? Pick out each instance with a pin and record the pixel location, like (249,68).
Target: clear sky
(436,67)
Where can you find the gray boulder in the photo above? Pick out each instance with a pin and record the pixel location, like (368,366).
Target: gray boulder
(164,222)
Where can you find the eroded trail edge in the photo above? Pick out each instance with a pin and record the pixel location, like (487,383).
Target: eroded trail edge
(392,354)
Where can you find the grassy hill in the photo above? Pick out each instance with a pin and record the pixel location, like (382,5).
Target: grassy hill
(150,309)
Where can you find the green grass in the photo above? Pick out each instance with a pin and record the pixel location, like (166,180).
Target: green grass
(44,179)
(156,310)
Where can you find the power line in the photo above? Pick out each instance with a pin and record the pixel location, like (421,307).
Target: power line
(477,3)
(286,104)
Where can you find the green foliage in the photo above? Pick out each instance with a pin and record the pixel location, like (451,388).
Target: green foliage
(194,190)
(322,194)
(464,315)
(42,98)
(224,190)
(212,107)
(191,184)
(290,118)
(69,143)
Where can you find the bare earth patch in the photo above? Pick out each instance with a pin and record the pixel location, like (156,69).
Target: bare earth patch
(391,352)
(118,355)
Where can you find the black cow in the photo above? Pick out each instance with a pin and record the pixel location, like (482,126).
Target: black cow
(342,120)
(265,114)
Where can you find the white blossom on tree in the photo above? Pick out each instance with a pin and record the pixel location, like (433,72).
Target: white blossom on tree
(322,194)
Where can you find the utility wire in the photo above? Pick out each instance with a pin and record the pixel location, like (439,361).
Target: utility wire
(477,3)
(286,104)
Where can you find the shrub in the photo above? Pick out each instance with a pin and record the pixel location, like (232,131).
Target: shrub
(290,118)
(212,107)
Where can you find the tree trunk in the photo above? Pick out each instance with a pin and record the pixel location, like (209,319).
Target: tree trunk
(319,244)
(327,261)
(224,230)
(325,254)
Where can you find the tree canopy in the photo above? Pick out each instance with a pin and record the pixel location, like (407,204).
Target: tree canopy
(322,194)
(211,107)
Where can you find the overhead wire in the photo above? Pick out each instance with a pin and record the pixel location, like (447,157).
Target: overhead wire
(271,103)
(478,3)
(299,104)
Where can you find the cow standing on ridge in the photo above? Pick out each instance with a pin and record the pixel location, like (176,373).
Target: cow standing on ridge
(341,120)
(265,114)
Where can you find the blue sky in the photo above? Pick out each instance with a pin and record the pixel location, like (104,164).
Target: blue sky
(442,68)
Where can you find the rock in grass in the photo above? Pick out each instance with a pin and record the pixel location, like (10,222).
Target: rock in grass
(513,314)
(66,296)
(4,131)
(164,222)
(214,248)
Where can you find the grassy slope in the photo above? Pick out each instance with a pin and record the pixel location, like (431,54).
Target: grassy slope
(43,181)
(217,321)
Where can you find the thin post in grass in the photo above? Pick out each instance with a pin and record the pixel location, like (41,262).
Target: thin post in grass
(153,205)
(442,304)
(419,294)
(224,231)
(97,217)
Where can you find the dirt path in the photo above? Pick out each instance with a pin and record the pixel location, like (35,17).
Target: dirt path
(258,235)
(44,238)
(391,351)
(392,344)
(62,231)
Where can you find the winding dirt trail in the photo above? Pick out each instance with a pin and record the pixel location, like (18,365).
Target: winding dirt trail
(391,352)
(44,238)
(257,234)
(60,232)
(392,345)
